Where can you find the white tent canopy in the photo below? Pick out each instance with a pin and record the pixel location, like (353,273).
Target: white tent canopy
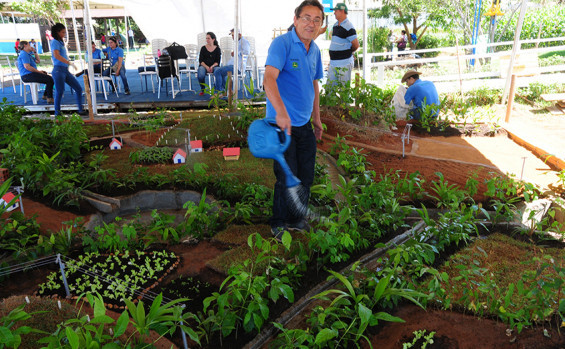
(181,21)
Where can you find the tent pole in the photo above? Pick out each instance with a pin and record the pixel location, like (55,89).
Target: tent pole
(515,48)
(87,26)
(365,42)
(15,25)
(202,14)
(236,52)
(127,27)
(75,30)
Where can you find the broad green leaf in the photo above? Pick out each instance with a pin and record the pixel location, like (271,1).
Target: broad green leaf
(121,324)
(387,317)
(325,335)
(72,337)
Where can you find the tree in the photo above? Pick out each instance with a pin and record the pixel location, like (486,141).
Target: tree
(421,14)
(50,10)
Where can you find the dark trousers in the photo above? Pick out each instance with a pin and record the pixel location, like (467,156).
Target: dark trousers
(300,157)
(130,41)
(42,79)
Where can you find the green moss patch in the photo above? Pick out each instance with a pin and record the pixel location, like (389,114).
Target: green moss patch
(238,234)
(482,274)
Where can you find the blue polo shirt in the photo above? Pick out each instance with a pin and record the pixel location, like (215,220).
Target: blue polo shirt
(58,45)
(298,70)
(422,90)
(96,54)
(24,58)
(340,48)
(114,54)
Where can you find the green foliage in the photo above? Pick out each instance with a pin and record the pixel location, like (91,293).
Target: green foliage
(243,303)
(112,238)
(201,219)
(115,277)
(364,103)
(11,336)
(551,18)
(51,11)
(420,335)
(152,155)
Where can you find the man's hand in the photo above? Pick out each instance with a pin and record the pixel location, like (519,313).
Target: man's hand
(318,129)
(283,121)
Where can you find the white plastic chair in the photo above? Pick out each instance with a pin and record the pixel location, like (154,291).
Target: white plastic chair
(158,44)
(191,63)
(33,89)
(149,68)
(8,71)
(100,78)
(201,39)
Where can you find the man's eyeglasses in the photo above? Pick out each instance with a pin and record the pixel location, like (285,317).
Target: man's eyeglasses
(308,20)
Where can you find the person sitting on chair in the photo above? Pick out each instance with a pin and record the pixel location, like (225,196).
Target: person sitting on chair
(210,55)
(422,93)
(98,55)
(116,56)
(221,73)
(27,65)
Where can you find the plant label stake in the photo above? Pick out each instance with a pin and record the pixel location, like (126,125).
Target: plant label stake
(113,130)
(406,136)
(523,163)
(184,342)
(188,147)
(62,267)
(268,141)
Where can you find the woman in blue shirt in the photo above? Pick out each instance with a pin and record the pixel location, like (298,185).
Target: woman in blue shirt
(116,56)
(61,74)
(28,69)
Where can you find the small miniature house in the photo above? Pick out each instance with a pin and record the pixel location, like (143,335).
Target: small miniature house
(3,175)
(5,200)
(179,157)
(115,144)
(195,146)
(231,153)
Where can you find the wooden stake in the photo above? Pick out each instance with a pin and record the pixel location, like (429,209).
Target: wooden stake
(88,97)
(510,98)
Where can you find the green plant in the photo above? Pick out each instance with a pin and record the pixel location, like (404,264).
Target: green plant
(108,238)
(420,337)
(152,155)
(201,220)
(164,319)
(349,314)
(243,303)
(11,336)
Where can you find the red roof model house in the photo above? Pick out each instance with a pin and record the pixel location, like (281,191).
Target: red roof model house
(115,144)
(231,153)
(195,146)
(5,200)
(179,157)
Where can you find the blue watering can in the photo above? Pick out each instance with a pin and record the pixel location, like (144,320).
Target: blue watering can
(268,141)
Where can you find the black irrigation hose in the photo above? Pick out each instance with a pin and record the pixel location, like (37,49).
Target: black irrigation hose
(260,340)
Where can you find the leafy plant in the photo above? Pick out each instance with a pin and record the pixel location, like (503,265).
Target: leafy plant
(152,155)
(11,336)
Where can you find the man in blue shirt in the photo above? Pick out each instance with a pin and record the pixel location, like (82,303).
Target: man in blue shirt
(292,71)
(97,55)
(344,43)
(422,93)
(27,65)
(221,73)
